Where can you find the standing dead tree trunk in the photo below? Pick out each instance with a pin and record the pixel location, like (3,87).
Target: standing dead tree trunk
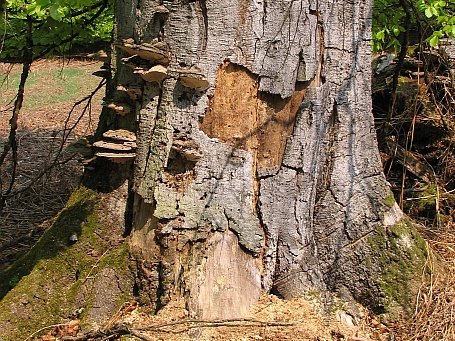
(257,165)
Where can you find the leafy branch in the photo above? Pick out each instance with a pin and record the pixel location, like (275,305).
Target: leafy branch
(433,19)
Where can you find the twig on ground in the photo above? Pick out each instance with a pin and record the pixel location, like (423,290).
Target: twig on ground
(43,329)
(189,324)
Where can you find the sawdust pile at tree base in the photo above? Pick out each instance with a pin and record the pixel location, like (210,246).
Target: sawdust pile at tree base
(271,319)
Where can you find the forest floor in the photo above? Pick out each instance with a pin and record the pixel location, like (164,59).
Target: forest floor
(45,128)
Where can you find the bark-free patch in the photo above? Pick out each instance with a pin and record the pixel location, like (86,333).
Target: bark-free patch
(243,116)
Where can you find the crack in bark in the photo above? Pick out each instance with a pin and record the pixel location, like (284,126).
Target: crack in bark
(296,169)
(325,181)
(319,78)
(203,6)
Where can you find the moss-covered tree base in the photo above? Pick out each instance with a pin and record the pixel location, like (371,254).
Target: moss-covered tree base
(59,279)
(402,256)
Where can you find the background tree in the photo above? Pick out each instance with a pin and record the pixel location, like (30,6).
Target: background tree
(36,29)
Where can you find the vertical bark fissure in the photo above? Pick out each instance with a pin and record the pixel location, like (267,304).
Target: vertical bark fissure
(323,183)
(203,5)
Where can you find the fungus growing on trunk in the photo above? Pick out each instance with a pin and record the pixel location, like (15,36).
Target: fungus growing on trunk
(156,52)
(155,74)
(119,108)
(101,56)
(134,92)
(120,135)
(193,79)
(123,147)
(117,157)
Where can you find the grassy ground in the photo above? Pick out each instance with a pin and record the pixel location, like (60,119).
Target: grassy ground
(49,82)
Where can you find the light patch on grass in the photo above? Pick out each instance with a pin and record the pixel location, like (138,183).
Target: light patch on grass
(49,86)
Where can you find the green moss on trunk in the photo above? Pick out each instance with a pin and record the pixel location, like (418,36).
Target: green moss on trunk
(57,277)
(401,256)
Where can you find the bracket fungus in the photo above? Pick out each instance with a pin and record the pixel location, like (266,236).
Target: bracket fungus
(155,74)
(155,52)
(117,157)
(187,150)
(121,109)
(134,92)
(101,56)
(194,79)
(161,9)
(186,147)
(135,62)
(120,135)
(121,147)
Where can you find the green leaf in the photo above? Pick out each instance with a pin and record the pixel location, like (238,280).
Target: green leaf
(441,4)
(434,40)
(434,11)
(55,13)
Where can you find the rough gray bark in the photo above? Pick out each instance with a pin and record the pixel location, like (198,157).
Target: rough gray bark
(266,176)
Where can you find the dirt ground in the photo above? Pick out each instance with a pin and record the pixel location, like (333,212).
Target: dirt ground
(271,319)
(44,127)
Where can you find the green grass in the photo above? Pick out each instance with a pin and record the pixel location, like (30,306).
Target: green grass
(50,86)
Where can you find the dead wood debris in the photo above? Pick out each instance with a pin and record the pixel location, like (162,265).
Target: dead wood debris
(170,327)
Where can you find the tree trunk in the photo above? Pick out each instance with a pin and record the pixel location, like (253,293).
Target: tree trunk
(257,165)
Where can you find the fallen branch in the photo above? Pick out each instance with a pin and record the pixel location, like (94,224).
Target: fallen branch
(119,330)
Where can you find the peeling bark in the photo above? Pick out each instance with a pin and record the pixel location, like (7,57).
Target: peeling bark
(270,178)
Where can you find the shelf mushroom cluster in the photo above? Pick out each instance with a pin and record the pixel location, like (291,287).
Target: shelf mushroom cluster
(119,146)
(151,62)
(157,53)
